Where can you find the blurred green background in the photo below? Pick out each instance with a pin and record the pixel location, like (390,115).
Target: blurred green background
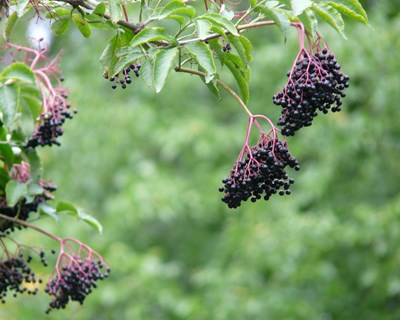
(148,166)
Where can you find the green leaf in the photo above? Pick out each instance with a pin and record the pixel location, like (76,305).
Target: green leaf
(203,28)
(350,8)
(35,189)
(108,58)
(4,178)
(34,104)
(220,21)
(175,8)
(21,7)
(7,153)
(238,44)
(9,25)
(146,71)
(58,13)
(240,79)
(9,102)
(127,55)
(60,26)
(280,17)
(331,16)
(204,57)
(82,24)
(64,207)
(35,164)
(309,21)
(18,71)
(163,63)
(151,35)
(213,87)
(15,191)
(100,9)
(44,208)
(298,6)
(115,9)
(253,3)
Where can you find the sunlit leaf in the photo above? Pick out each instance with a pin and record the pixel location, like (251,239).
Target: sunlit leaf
(9,25)
(331,16)
(220,21)
(151,35)
(82,24)
(18,71)
(350,8)
(60,26)
(298,6)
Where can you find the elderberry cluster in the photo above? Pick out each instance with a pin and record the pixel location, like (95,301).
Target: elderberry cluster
(315,83)
(74,282)
(117,79)
(14,272)
(262,172)
(49,126)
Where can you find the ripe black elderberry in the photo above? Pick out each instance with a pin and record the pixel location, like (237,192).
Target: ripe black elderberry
(75,281)
(315,84)
(261,172)
(13,274)
(118,80)
(49,126)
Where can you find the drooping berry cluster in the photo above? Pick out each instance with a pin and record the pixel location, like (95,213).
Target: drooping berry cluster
(14,273)
(49,124)
(262,172)
(124,77)
(75,281)
(315,83)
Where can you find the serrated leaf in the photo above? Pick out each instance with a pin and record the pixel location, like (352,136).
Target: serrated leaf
(60,26)
(44,208)
(298,6)
(240,80)
(163,63)
(220,21)
(203,27)
(7,155)
(204,57)
(280,17)
(309,21)
(240,49)
(115,9)
(9,102)
(247,47)
(350,9)
(100,9)
(151,35)
(15,191)
(175,8)
(64,207)
(18,71)
(331,16)
(146,72)
(9,25)
(126,56)
(82,24)
(108,58)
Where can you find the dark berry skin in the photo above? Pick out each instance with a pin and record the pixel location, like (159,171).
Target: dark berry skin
(260,175)
(315,85)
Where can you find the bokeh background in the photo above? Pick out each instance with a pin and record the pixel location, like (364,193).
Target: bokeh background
(148,166)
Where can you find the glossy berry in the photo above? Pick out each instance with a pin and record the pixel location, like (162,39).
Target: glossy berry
(124,77)
(261,174)
(75,281)
(315,84)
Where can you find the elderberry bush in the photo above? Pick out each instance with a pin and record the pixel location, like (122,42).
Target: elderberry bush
(316,83)
(75,281)
(124,77)
(262,172)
